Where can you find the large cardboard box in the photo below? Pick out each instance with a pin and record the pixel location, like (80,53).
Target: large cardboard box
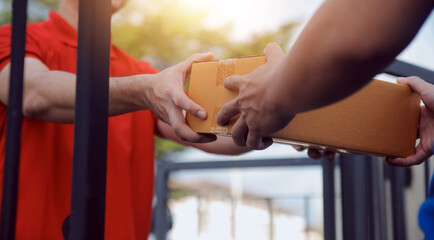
(381,119)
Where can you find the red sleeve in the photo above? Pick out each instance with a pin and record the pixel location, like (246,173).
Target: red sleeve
(147,68)
(32,47)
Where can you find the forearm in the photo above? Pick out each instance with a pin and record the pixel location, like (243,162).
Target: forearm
(50,95)
(55,102)
(345,44)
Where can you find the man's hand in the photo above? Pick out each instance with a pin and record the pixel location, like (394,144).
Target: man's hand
(258,113)
(426,123)
(166,99)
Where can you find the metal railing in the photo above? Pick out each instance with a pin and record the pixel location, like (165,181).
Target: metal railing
(362,178)
(362,205)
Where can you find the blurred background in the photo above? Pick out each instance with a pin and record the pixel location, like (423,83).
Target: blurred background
(236,203)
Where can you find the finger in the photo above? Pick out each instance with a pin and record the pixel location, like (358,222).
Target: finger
(207,137)
(416,83)
(387,160)
(419,157)
(254,140)
(257,142)
(233,82)
(315,154)
(330,156)
(184,102)
(229,110)
(239,132)
(266,142)
(298,148)
(184,132)
(273,52)
(197,57)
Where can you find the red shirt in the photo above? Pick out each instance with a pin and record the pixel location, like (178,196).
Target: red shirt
(46,148)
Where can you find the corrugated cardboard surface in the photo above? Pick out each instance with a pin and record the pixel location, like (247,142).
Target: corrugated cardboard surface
(381,119)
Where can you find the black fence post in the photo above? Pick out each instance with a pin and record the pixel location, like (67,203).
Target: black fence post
(354,197)
(397,175)
(161,223)
(329,199)
(377,199)
(91,121)
(14,119)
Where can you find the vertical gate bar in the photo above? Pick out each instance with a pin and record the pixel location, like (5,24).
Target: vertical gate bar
(373,196)
(354,197)
(161,224)
(398,203)
(14,118)
(377,201)
(91,121)
(329,199)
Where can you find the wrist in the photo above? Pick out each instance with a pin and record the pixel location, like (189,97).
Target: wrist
(277,106)
(278,98)
(144,88)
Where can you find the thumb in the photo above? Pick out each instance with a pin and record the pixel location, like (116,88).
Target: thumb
(197,57)
(417,84)
(421,87)
(273,52)
(186,65)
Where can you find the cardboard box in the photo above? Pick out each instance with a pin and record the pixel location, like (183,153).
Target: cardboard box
(381,119)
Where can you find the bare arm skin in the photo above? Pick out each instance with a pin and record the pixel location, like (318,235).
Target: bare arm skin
(344,45)
(223,145)
(50,95)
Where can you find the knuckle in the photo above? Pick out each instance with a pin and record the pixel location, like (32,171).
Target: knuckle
(179,133)
(238,140)
(223,114)
(166,92)
(254,128)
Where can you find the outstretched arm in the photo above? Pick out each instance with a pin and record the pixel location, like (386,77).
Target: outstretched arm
(50,95)
(344,45)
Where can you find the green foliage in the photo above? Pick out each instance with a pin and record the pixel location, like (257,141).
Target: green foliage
(177,194)
(37,10)
(5,17)
(163,146)
(165,34)
(51,4)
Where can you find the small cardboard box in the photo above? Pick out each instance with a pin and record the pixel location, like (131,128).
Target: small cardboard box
(381,119)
